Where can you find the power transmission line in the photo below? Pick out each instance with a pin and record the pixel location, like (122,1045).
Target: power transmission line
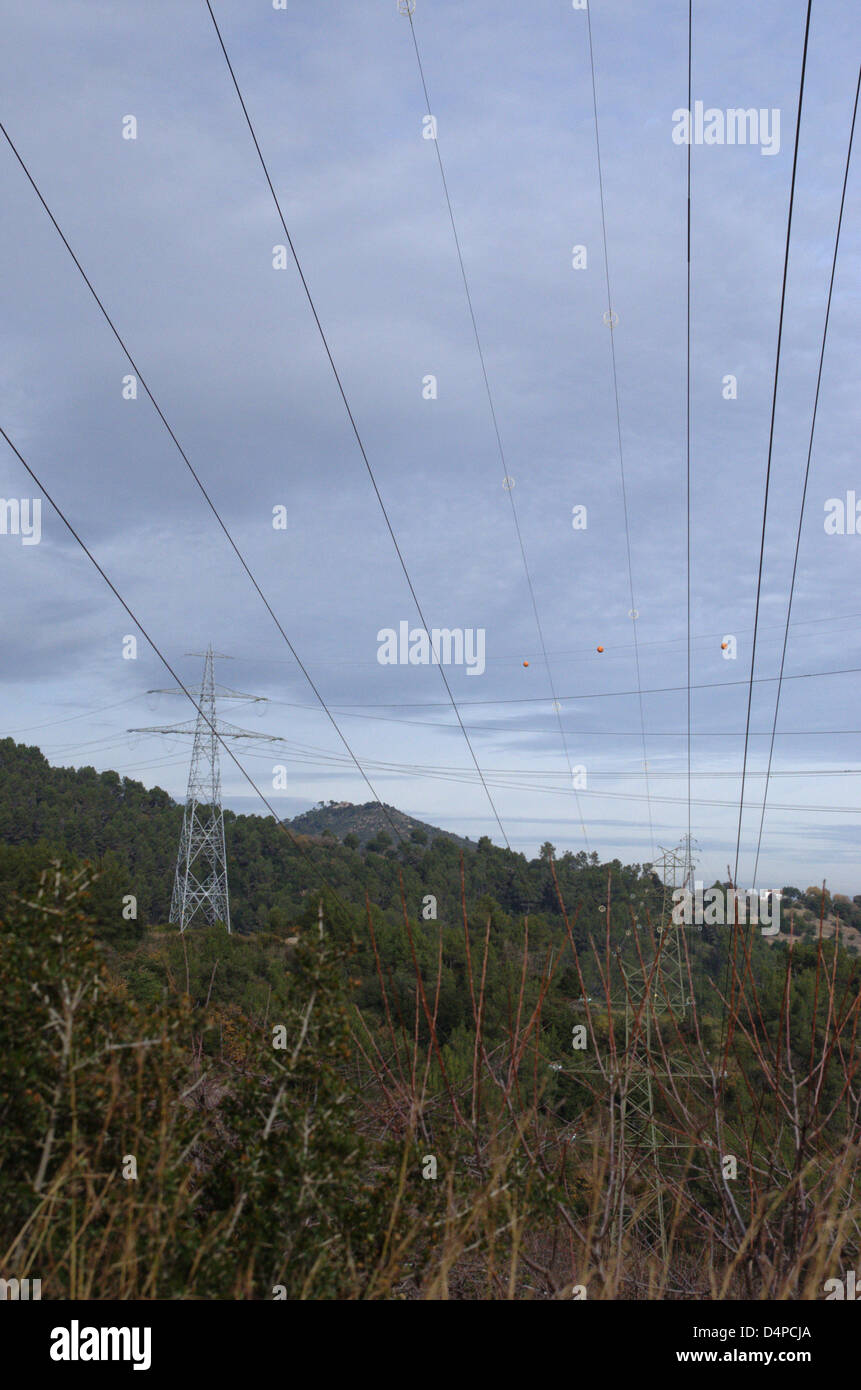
(734,933)
(136,369)
(497,778)
(465,777)
(609,694)
(67,719)
(581,652)
(807,471)
(609,318)
(109,740)
(350,415)
(589,733)
(771,425)
(139,625)
(293,751)
(688,418)
(506,481)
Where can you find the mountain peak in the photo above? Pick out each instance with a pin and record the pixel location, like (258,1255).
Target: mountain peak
(366,821)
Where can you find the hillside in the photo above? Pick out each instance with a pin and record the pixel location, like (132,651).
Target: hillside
(130,833)
(309,1076)
(367,822)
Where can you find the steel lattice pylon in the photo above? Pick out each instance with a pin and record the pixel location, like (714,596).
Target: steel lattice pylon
(201,865)
(656,987)
(653,986)
(200,884)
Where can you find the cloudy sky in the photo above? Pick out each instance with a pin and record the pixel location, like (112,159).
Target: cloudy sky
(176,230)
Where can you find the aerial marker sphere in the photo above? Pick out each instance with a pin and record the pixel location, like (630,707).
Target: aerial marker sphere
(526,663)
(600,649)
(724,646)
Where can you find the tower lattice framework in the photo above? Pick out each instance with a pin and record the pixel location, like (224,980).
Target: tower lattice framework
(652,989)
(655,989)
(200,885)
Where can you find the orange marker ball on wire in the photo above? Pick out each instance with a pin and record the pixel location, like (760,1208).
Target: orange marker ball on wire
(526,663)
(723,646)
(600,649)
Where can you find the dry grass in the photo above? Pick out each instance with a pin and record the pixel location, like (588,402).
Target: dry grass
(520,1208)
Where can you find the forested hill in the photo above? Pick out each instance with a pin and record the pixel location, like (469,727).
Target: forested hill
(360,825)
(130,833)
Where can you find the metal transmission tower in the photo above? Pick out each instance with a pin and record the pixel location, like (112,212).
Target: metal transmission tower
(654,987)
(651,986)
(200,881)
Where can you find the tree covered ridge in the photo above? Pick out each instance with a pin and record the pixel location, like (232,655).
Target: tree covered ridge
(405,1037)
(370,821)
(131,833)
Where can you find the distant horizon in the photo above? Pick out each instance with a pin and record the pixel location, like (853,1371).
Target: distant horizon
(237,805)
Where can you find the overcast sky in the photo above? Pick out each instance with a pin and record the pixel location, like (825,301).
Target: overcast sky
(176,230)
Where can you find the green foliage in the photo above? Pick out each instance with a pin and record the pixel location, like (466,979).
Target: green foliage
(119,1037)
(255,1179)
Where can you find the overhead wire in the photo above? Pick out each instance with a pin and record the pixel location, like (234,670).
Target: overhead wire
(640,691)
(688,441)
(772,423)
(610,313)
(293,750)
(195,475)
(606,694)
(807,473)
(731,953)
(583,733)
(580,652)
(350,414)
(506,481)
(151,642)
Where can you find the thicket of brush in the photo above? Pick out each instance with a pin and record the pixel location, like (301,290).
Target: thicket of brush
(282,1097)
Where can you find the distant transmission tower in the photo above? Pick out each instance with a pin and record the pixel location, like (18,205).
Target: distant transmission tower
(200,881)
(654,987)
(657,987)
